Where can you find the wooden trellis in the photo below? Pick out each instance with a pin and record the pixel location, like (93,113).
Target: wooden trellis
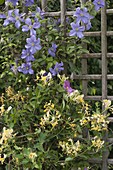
(103,33)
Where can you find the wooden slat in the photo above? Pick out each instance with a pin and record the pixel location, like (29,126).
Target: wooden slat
(110,161)
(90,77)
(44,5)
(70,13)
(98,98)
(84,64)
(110,140)
(97,33)
(63,11)
(110,119)
(109,11)
(99,161)
(104,78)
(96,55)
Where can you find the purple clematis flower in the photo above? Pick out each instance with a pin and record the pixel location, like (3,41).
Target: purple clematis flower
(2,16)
(8,18)
(67,86)
(27,55)
(77,30)
(85,169)
(13,69)
(38,13)
(30,26)
(98,4)
(52,50)
(29,2)
(82,15)
(25,68)
(14,2)
(18,18)
(88,25)
(33,44)
(57,68)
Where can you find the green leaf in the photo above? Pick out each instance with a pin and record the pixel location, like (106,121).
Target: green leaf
(2,1)
(68,159)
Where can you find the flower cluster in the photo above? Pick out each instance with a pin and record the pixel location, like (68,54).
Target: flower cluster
(7,134)
(15,2)
(51,116)
(97,143)
(97,121)
(33,44)
(70,147)
(83,19)
(73,94)
(82,22)
(14,96)
(46,78)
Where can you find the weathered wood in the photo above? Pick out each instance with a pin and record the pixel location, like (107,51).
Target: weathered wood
(97,98)
(110,119)
(70,13)
(98,161)
(96,55)
(63,12)
(91,77)
(44,5)
(104,77)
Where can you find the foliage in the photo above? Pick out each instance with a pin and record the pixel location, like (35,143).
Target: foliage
(46,124)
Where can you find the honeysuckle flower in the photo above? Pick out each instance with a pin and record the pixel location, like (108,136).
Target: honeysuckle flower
(57,68)
(67,86)
(32,155)
(14,2)
(26,68)
(46,77)
(33,44)
(77,30)
(97,143)
(2,109)
(29,2)
(30,27)
(7,134)
(8,18)
(2,158)
(27,55)
(82,15)
(98,4)
(107,103)
(52,50)
(18,18)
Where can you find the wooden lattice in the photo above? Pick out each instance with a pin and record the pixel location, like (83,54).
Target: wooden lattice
(103,33)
